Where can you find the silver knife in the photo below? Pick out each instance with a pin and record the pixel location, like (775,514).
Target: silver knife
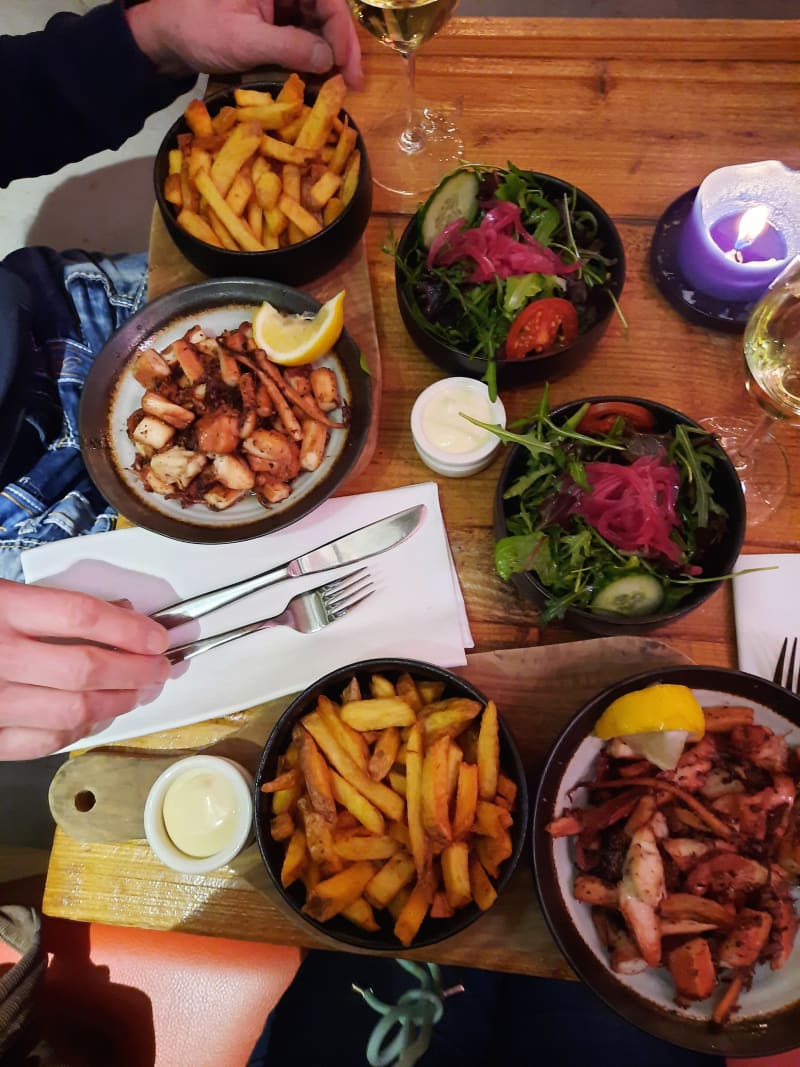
(368,541)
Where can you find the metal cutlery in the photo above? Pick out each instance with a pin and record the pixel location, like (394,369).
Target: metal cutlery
(789,679)
(307,612)
(367,541)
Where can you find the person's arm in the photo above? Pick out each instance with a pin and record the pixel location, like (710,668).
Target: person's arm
(68,664)
(80,85)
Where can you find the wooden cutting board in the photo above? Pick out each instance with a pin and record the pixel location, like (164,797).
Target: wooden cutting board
(121,882)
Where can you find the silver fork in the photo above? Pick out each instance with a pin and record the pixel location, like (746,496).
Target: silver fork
(789,680)
(307,612)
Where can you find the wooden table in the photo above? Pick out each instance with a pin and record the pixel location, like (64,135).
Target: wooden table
(634,112)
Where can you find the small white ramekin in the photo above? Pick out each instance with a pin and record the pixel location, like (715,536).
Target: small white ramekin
(455,464)
(155,830)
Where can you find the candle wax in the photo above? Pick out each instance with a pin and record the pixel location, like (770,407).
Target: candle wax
(768,244)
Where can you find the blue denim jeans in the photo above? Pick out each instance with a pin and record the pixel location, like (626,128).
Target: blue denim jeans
(77,300)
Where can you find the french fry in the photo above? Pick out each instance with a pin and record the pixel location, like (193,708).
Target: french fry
(224,120)
(334,894)
(290,131)
(488,753)
(323,189)
(483,892)
(440,908)
(317,774)
(455,872)
(296,213)
(174,161)
(420,845)
(294,235)
(199,160)
(310,875)
(491,851)
(506,788)
(319,839)
(398,902)
(413,914)
(292,181)
(380,687)
(295,860)
(430,691)
(281,826)
(358,806)
(293,89)
(378,713)
(198,119)
(407,690)
(399,831)
(270,116)
(344,146)
(354,846)
(435,807)
(455,758)
(325,109)
(350,740)
(490,819)
(242,142)
(384,798)
(384,753)
(268,189)
(466,800)
(275,222)
(252,97)
(224,237)
(360,914)
(255,217)
(396,873)
(172,190)
(350,177)
(398,782)
(448,717)
(352,691)
(239,193)
(234,225)
(198,227)
(272,148)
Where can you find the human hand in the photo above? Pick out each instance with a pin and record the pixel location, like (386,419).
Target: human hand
(55,689)
(217,36)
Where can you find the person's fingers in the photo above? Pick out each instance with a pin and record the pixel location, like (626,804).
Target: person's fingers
(339,29)
(21,743)
(57,710)
(43,612)
(78,667)
(290,47)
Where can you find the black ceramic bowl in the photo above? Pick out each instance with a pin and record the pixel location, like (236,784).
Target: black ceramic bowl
(768,1018)
(295,265)
(718,559)
(338,928)
(535,366)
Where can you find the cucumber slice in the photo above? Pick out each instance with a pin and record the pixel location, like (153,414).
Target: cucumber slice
(456,198)
(635,594)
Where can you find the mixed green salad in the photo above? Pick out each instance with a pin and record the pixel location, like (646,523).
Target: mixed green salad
(611,515)
(501,267)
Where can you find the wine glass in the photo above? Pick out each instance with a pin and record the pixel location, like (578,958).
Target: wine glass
(420,145)
(772,366)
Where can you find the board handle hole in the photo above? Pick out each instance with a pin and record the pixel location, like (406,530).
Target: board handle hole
(85,800)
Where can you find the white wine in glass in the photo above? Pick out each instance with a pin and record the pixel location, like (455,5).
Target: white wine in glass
(413,147)
(772,364)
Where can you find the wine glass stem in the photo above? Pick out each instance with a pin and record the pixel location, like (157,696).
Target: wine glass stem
(411,137)
(744,452)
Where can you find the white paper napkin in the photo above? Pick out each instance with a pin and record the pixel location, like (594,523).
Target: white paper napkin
(767,609)
(416,611)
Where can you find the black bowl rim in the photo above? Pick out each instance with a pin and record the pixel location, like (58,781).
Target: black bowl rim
(378,942)
(588,618)
(743,1039)
(170,141)
(110,363)
(619,267)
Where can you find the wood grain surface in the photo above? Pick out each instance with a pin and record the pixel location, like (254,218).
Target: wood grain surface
(634,112)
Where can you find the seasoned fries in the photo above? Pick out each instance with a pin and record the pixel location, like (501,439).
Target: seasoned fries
(267,172)
(384,822)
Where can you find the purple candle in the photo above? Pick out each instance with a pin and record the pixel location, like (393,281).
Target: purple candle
(743,229)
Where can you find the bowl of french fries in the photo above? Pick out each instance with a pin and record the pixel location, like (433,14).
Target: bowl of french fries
(270,181)
(667,861)
(390,805)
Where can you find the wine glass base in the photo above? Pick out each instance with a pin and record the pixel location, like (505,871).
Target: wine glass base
(410,161)
(763,471)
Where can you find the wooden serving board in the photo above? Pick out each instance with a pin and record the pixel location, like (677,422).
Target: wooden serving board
(169,270)
(121,882)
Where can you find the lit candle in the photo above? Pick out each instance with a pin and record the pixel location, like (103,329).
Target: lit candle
(742,230)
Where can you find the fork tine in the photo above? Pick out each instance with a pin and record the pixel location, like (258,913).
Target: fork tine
(338,585)
(778,674)
(791,681)
(343,609)
(330,597)
(344,600)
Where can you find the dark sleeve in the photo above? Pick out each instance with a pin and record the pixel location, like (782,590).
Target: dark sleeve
(74,88)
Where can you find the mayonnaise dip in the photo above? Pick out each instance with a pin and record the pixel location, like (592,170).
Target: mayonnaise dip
(443,425)
(200,812)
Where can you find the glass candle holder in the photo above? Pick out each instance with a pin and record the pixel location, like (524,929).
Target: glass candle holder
(742,230)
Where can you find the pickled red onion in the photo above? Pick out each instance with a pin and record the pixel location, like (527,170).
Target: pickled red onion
(633,507)
(500,246)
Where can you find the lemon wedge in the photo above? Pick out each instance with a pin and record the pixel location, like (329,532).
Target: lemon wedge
(655,722)
(290,340)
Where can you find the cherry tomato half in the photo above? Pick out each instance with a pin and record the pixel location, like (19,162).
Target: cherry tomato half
(599,418)
(542,325)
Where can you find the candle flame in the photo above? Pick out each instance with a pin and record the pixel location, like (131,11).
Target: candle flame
(751,224)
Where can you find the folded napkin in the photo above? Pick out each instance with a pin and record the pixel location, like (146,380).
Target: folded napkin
(417,609)
(767,609)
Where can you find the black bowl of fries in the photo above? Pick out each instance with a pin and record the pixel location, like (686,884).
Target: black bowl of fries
(672,892)
(265,181)
(390,805)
